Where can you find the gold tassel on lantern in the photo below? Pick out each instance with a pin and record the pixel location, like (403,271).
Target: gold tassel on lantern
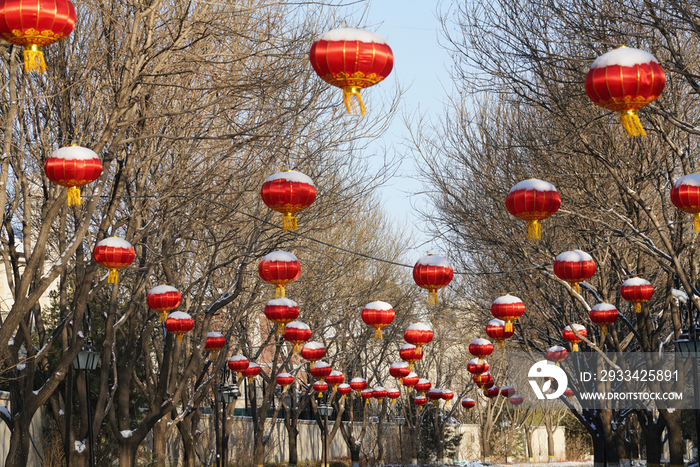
(73,196)
(213,354)
(637,307)
(574,347)
(289,222)
(34,60)
(250,380)
(499,344)
(509,326)
(696,222)
(630,120)
(281,328)
(295,349)
(348,93)
(534,230)
(279,291)
(575,288)
(420,407)
(378,333)
(180,336)
(410,367)
(432,297)
(393,401)
(163,316)
(604,331)
(320,395)
(113,277)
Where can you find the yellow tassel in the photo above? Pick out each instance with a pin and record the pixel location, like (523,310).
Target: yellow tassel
(289,222)
(73,196)
(393,401)
(419,350)
(509,326)
(696,222)
(499,344)
(378,333)
(630,120)
(179,337)
(320,395)
(420,407)
(163,316)
(284,388)
(534,230)
(575,288)
(432,297)
(574,347)
(313,364)
(281,328)
(348,93)
(295,349)
(240,375)
(435,402)
(637,307)
(34,60)
(279,291)
(213,355)
(366,401)
(410,366)
(250,380)
(604,332)
(400,381)
(113,277)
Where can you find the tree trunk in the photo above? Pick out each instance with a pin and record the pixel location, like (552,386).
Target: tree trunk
(485,442)
(258,452)
(675,436)
(413,445)
(127,454)
(598,450)
(623,445)
(292,433)
(18,454)
(160,439)
(510,435)
(550,445)
(528,444)
(439,446)
(380,433)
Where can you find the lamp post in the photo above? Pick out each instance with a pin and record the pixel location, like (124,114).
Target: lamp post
(505,423)
(226,395)
(688,345)
(325,410)
(87,360)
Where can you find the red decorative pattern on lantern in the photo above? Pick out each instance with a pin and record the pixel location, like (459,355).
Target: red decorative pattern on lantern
(685,195)
(533,200)
(516,400)
(288,192)
(569,336)
(179,323)
(367,394)
(351,59)
(410,380)
(508,308)
(113,253)
(574,267)
(420,401)
(637,290)
(358,384)
(297,333)
(409,353)
(432,272)
(399,370)
(73,167)
(313,352)
(418,334)
(215,342)
(279,268)
(344,390)
(378,315)
(163,299)
(284,380)
(556,354)
(334,379)
(238,363)
(482,379)
(480,348)
(251,372)
(477,366)
(393,394)
(468,403)
(321,370)
(281,311)
(569,393)
(435,395)
(491,392)
(320,387)
(603,314)
(507,391)
(379,393)
(496,330)
(447,396)
(423,385)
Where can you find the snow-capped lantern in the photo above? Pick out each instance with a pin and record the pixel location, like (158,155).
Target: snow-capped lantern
(215,342)
(603,314)
(574,267)
(399,370)
(477,366)
(482,379)
(335,379)
(435,395)
(281,311)
(313,352)
(379,393)
(685,195)
(569,336)
(358,384)
(508,308)
(420,401)
(492,392)
(409,353)
(556,354)
(432,272)
(288,192)
(351,59)
(297,333)
(163,299)
(284,380)
(279,268)
(480,348)
(468,403)
(516,400)
(569,393)
(321,370)
(238,363)
(496,330)
(507,391)
(411,380)
(179,323)
(33,25)
(72,167)
(533,200)
(625,80)
(320,387)
(447,396)
(344,390)
(367,394)
(393,394)
(418,334)
(113,253)
(378,315)
(251,372)
(423,385)
(637,290)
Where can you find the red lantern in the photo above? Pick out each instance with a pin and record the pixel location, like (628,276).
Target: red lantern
(399,370)
(238,363)
(516,400)
(625,80)
(496,330)
(351,59)
(366,394)
(34,25)
(491,392)
(379,393)
(313,352)
(569,393)
(358,384)
(281,311)
(468,403)
(507,391)
(335,378)
(432,272)
(215,342)
(569,336)
(179,323)
(279,268)
(489,384)
(409,353)
(114,253)
(344,390)
(435,395)
(297,333)
(423,386)
(410,380)
(482,379)
(637,291)
(393,394)
(288,192)
(378,315)
(73,167)
(320,387)
(420,401)
(603,314)
(685,195)
(533,200)
(447,396)
(164,299)
(556,354)
(418,334)
(508,308)
(284,380)
(321,370)
(574,267)
(480,348)
(477,366)
(251,372)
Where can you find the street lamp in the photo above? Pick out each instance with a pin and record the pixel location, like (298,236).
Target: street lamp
(688,346)
(226,394)
(87,360)
(325,410)
(505,423)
